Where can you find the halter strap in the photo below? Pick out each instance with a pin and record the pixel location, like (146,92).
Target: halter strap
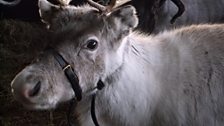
(73,79)
(100,86)
(69,73)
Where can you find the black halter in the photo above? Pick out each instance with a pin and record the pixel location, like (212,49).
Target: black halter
(73,79)
(69,73)
(100,86)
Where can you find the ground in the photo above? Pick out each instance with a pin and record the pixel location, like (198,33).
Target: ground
(19,43)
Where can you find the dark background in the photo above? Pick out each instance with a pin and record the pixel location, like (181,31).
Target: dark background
(26,10)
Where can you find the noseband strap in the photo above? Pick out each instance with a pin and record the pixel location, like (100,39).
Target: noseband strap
(69,73)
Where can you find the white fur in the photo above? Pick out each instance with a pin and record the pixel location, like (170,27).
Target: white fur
(153,79)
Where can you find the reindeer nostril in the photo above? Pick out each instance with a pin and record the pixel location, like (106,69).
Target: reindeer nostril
(35,90)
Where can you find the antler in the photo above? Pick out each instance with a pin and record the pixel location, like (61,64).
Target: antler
(96,5)
(102,8)
(64,2)
(111,4)
(181,9)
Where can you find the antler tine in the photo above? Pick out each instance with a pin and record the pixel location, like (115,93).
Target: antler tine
(64,2)
(96,5)
(102,8)
(111,5)
(181,9)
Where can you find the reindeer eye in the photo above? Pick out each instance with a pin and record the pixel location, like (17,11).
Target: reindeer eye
(92,44)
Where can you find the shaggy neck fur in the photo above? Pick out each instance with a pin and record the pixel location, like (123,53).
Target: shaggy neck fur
(128,93)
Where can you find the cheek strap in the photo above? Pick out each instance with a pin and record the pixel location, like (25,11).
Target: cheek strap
(69,73)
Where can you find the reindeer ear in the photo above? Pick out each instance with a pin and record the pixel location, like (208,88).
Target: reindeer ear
(47,10)
(124,18)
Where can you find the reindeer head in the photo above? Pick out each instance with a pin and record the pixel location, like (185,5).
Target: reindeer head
(92,41)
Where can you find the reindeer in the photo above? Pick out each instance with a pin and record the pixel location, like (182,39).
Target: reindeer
(159,15)
(131,79)
(196,12)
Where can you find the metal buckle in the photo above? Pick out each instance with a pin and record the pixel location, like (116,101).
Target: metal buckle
(66,67)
